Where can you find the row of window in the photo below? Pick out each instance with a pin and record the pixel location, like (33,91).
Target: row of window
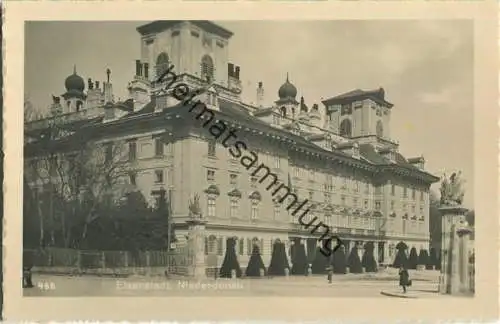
(206,65)
(329,185)
(214,245)
(159,150)
(159,177)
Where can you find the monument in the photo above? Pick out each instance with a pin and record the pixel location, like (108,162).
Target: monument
(454,277)
(196,239)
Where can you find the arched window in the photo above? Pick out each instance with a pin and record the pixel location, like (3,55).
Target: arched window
(212,244)
(161,64)
(380,129)
(346,128)
(283,112)
(79,105)
(207,68)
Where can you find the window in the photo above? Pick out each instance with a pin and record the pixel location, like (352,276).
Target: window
(161,64)
(365,204)
(253,182)
(158,147)
(207,68)
(355,202)
(377,205)
(79,105)
(342,200)
(311,175)
(158,176)
(393,189)
(346,109)
(328,197)
(132,178)
(211,148)
(392,205)
(241,246)
(219,246)
(422,210)
(311,195)
(380,129)
(211,207)
(413,210)
(255,211)
(367,187)
(233,179)
(277,211)
(277,162)
(296,171)
(211,244)
(346,128)
(210,175)
(132,151)
(413,193)
(355,185)
(344,183)
(233,208)
(422,195)
(405,192)
(108,152)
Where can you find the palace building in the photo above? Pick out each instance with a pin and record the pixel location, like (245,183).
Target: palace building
(336,153)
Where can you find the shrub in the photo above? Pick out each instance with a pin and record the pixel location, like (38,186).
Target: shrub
(320,262)
(354,262)
(401,258)
(423,258)
(230,261)
(299,260)
(279,260)
(368,259)
(339,261)
(413,260)
(255,263)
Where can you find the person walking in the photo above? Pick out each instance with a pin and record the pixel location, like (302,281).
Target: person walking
(329,270)
(404,278)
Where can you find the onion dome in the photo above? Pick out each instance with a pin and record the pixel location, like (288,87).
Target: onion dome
(287,90)
(74,82)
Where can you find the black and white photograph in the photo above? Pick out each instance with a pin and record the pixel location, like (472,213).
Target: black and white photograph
(184,160)
(302,160)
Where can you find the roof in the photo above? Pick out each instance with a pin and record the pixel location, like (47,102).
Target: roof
(161,25)
(377,95)
(233,113)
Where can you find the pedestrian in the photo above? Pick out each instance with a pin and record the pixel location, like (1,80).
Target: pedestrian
(329,270)
(27,266)
(404,278)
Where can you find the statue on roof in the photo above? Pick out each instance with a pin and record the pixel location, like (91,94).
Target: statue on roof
(452,192)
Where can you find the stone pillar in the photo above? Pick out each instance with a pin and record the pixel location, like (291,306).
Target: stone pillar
(196,243)
(453,278)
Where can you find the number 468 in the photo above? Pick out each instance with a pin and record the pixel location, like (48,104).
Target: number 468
(44,285)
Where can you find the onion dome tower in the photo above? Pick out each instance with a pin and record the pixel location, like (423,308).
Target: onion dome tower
(287,105)
(75,95)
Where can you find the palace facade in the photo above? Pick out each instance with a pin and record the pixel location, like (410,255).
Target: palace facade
(338,153)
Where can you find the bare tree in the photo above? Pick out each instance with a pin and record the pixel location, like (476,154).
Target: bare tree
(76,176)
(30,113)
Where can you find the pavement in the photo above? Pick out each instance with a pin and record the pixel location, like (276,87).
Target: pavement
(380,285)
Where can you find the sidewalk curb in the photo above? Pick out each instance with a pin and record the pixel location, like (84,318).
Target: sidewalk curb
(397,295)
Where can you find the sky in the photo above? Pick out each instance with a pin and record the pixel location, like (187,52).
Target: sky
(425,67)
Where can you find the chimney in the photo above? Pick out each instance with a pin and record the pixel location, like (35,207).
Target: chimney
(146,70)
(230,69)
(260,95)
(137,67)
(237,73)
(418,162)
